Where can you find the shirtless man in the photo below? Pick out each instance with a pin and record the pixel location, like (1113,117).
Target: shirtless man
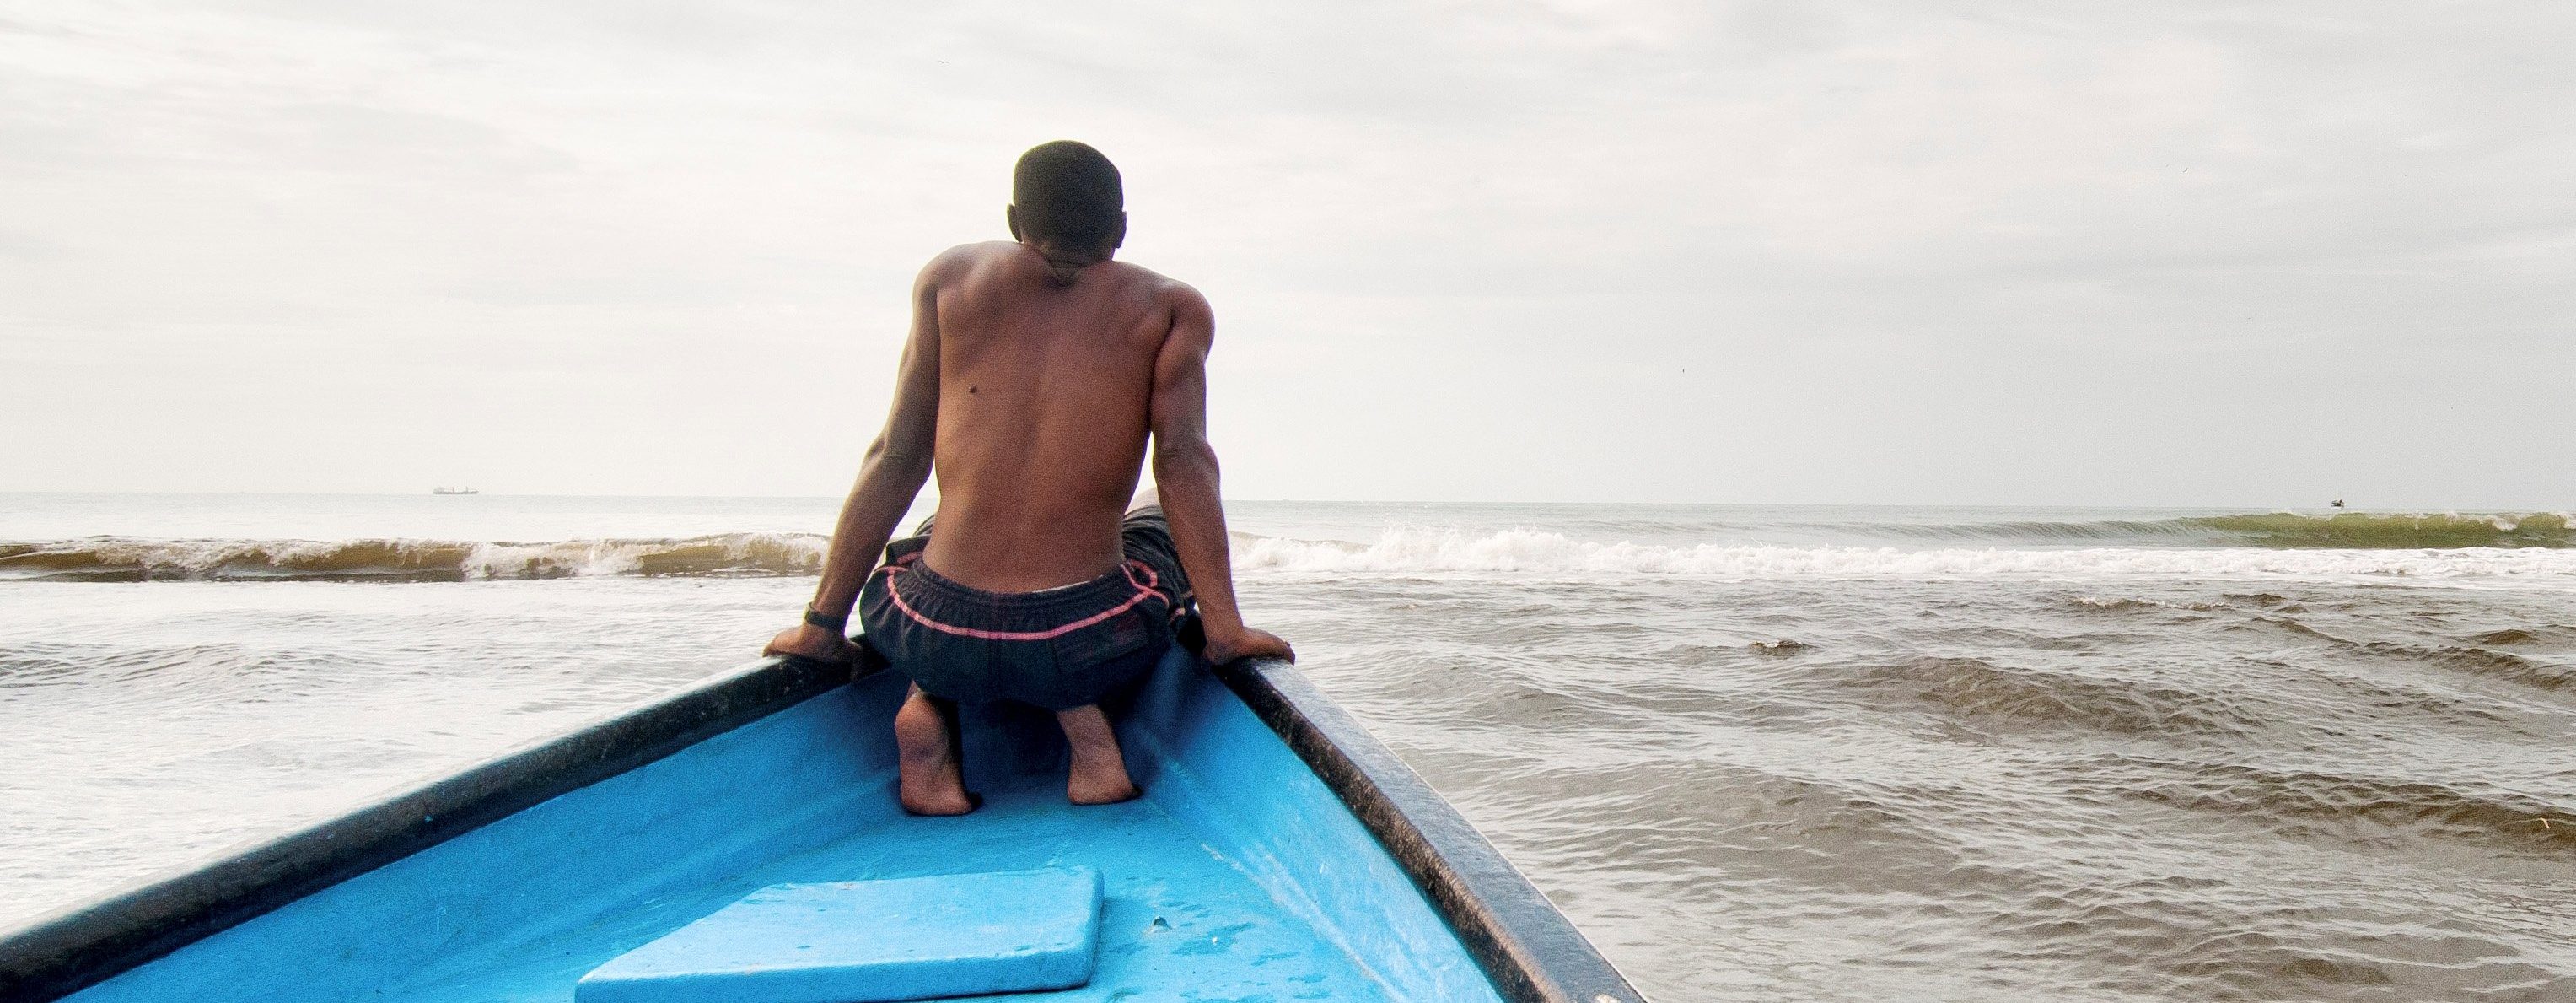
(1034,373)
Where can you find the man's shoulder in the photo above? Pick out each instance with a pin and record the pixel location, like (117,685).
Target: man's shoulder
(1163,288)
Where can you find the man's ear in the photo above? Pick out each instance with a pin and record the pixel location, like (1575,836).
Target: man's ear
(1121,239)
(1011,215)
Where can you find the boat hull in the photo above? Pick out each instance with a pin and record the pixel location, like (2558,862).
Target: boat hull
(1277,852)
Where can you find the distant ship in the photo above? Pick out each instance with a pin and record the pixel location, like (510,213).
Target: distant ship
(454,491)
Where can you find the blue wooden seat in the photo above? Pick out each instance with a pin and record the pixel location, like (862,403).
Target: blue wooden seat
(871,941)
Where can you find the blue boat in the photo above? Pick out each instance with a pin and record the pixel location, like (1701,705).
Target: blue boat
(1279,853)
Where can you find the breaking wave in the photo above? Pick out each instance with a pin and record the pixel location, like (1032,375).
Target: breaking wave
(2285,530)
(1399,550)
(119,559)
(1542,552)
(2383,531)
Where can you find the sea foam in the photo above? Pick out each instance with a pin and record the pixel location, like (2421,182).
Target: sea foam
(1539,552)
(1400,550)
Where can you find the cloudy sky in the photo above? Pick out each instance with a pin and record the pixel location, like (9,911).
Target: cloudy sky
(2082,253)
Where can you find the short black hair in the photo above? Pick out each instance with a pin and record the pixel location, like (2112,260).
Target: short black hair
(1069,192)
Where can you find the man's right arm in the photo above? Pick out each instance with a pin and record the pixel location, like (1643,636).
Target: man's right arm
(1185,476)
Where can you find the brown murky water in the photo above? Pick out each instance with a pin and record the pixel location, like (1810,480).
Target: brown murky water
(1986,791)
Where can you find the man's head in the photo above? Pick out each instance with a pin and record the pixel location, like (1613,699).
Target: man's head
(1066,199)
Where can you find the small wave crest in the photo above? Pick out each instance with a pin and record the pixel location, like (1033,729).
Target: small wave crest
(119,559)
(1533,551)
(2389,531)
(2314,802)
(1975,688)
(2285,530)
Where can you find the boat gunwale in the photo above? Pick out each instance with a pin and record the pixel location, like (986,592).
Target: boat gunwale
(1529,949)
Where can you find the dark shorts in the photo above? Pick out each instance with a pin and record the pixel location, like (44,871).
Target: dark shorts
(1058,649)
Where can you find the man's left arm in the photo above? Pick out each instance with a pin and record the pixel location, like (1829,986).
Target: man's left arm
(891,475)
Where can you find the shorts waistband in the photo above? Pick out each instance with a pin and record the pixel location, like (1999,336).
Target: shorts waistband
(1037,615)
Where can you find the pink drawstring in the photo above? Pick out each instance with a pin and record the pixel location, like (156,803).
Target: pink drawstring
(1143,588)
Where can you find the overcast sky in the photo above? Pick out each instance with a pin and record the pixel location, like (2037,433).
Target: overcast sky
(2113,253)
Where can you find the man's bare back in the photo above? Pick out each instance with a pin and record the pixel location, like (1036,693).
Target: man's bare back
(1045,393)
(1035,376)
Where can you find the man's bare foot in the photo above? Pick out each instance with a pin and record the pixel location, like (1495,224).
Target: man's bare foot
(1099,774)
(931,783)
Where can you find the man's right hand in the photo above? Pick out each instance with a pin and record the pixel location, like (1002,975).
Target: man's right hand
(1252,642)
(808,641)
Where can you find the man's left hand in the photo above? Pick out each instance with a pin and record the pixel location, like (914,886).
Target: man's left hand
(811,642)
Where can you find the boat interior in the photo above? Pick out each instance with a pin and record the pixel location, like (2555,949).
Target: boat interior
(1237,876)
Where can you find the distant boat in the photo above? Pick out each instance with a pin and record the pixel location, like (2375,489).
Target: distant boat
(454,491)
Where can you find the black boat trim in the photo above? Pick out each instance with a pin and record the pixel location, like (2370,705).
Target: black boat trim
(1530,950)
(1525,945)
(98,940)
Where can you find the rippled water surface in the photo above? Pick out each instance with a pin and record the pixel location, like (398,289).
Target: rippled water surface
(1980,790)
(1757,754)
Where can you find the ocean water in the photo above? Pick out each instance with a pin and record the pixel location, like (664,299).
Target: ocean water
(1756,753)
